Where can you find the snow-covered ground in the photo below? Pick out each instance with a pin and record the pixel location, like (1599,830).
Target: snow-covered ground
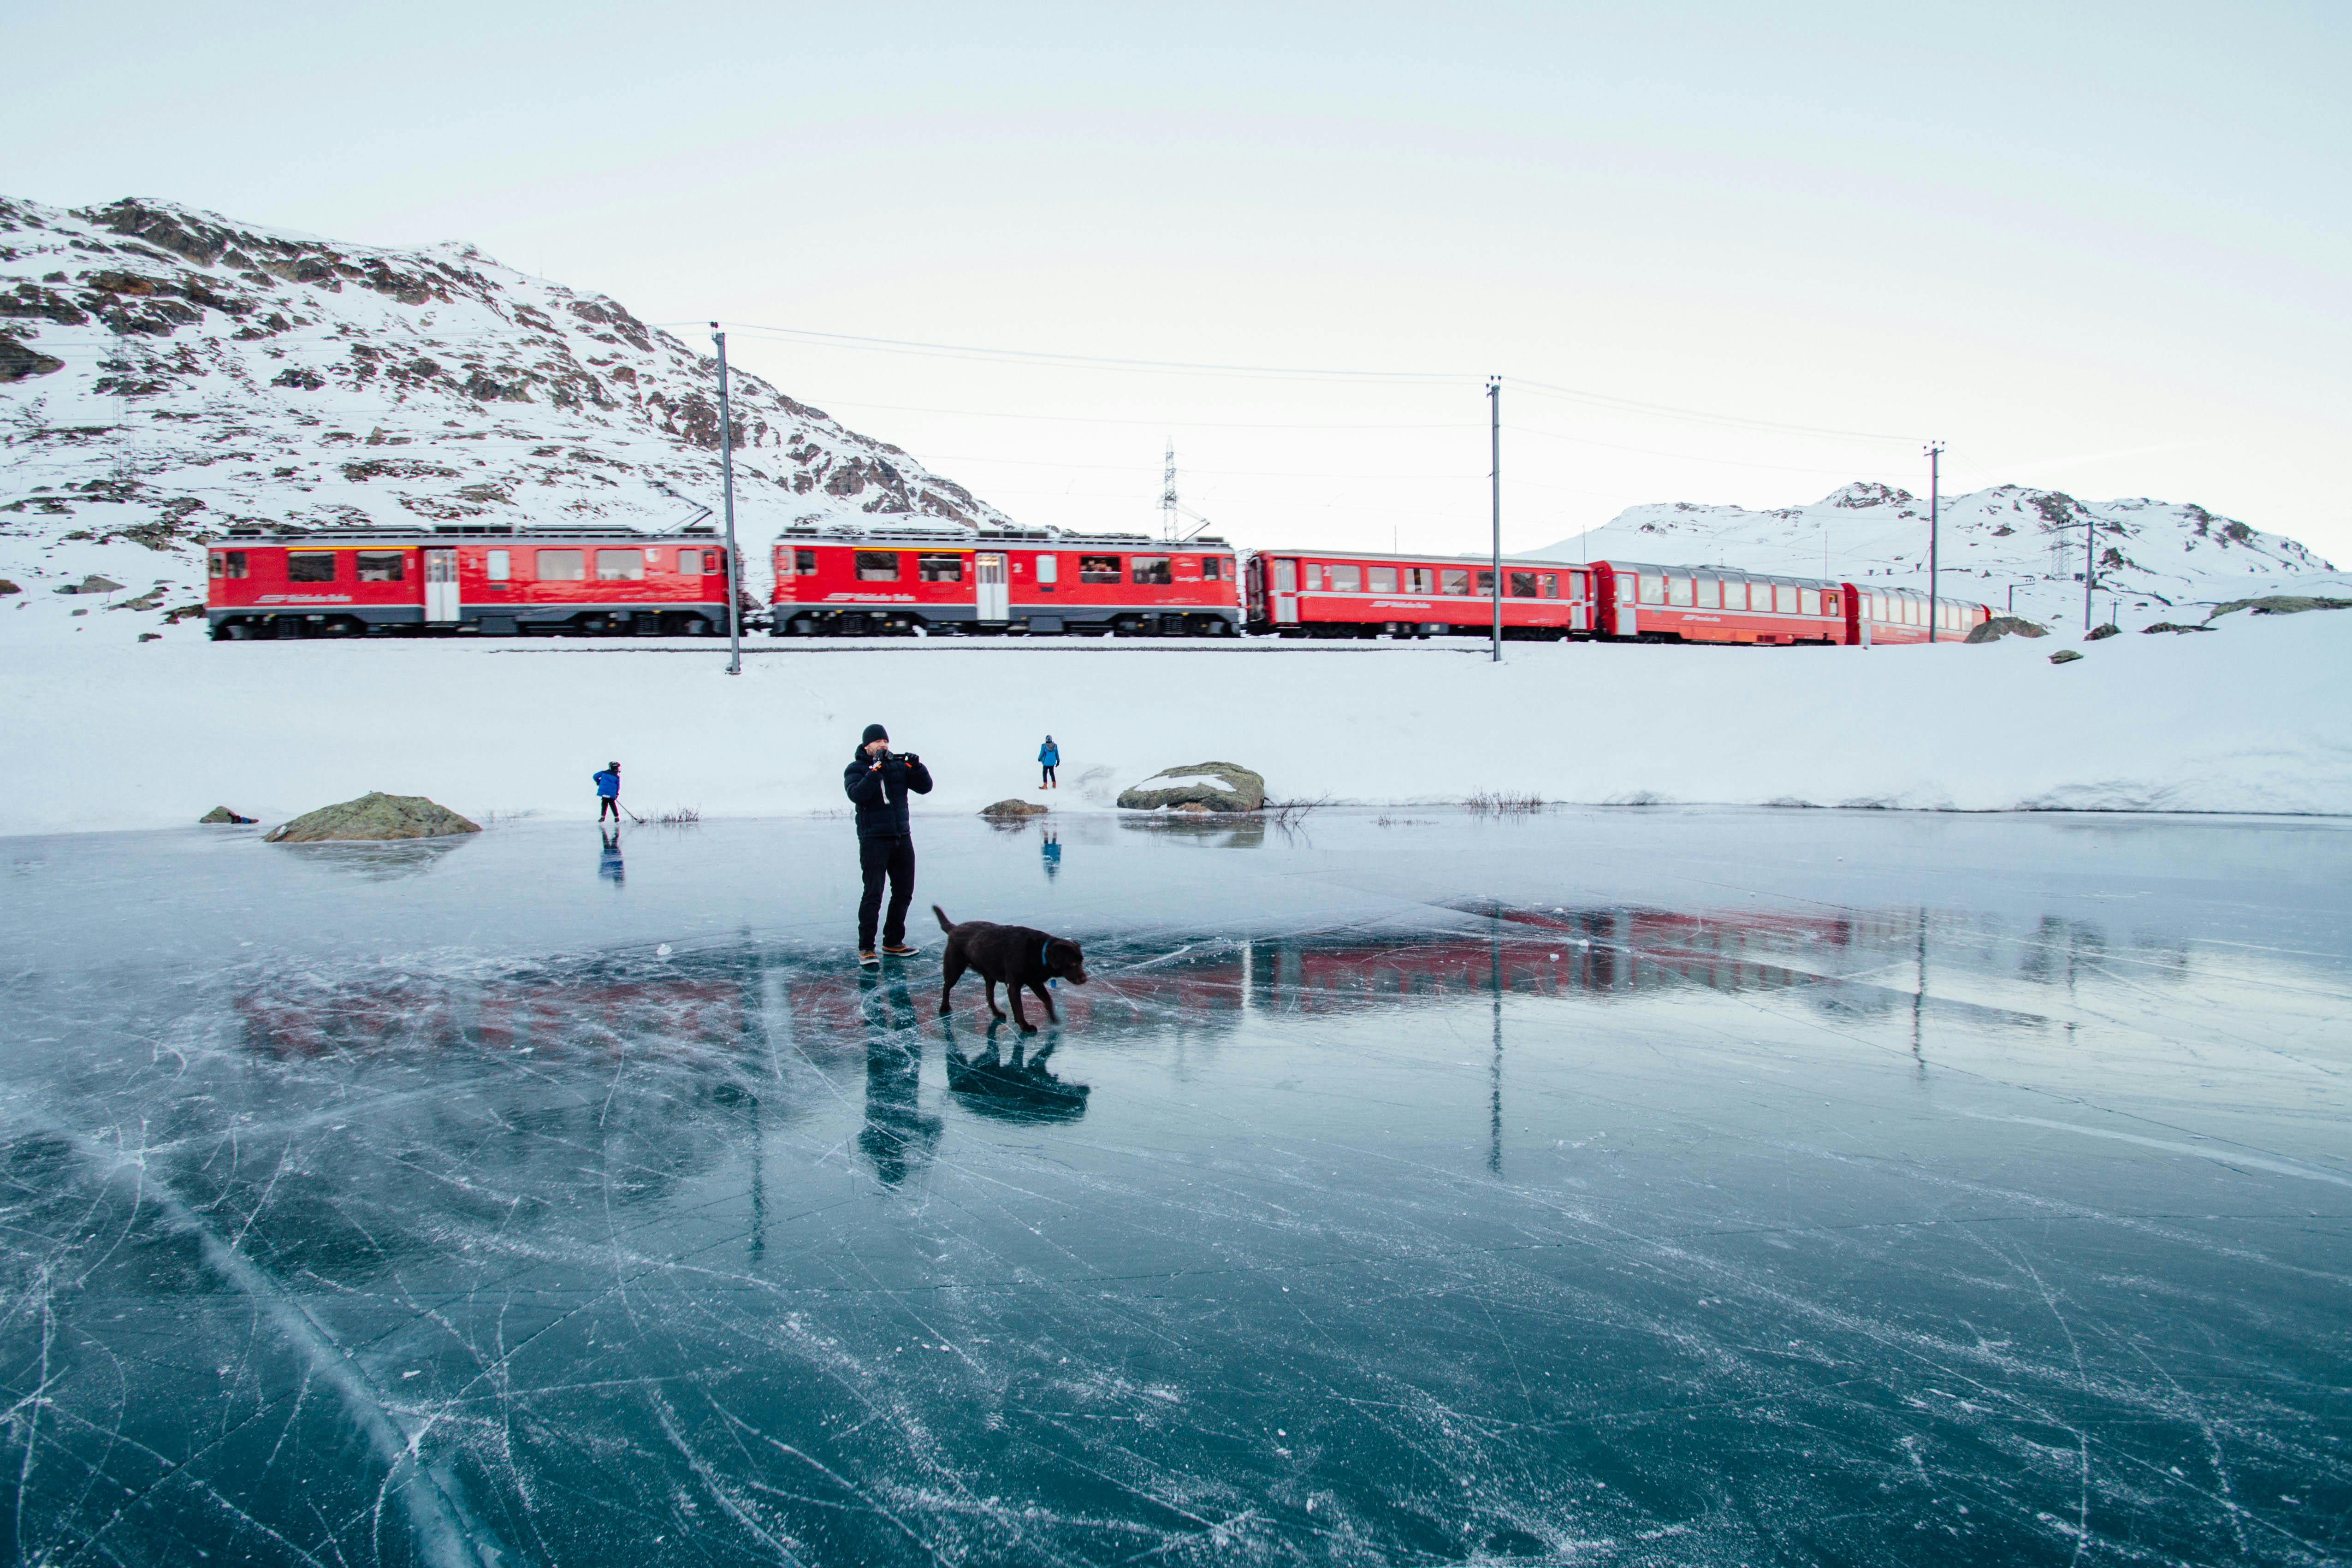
(112,734)
(2158,560)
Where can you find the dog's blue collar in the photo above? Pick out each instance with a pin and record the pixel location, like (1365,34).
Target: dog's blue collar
(1043,948)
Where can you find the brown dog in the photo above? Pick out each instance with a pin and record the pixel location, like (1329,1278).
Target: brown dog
(1015,955)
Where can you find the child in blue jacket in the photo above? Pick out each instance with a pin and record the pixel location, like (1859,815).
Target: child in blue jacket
(1049,758)
(608,792)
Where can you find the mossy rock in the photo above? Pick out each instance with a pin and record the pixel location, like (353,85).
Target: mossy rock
(374,816)
(1012,809)
(1212,786)
(2065,655)
(2001,626)
(222,814)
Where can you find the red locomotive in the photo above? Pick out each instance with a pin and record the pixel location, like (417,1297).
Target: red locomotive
(342,582)
(897,581)
(1319,593)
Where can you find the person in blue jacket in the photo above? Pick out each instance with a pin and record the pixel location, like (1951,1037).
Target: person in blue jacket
(878,781)
(608,792)
(1049,758)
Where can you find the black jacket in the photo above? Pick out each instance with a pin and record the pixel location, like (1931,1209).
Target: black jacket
(881,793)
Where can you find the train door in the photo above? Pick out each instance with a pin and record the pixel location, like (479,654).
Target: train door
(441,587)
(1579,601)
(1628,618)
(995,598)
(1285,592)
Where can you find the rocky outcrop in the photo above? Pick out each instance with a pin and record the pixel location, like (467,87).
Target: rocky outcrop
(222,814)
(1012,809)
(93,583)
(1212,786)
(2001,626)
(2280,604)
(2100,634)
(374,816)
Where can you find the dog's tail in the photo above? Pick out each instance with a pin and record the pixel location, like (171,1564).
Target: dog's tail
(945,923)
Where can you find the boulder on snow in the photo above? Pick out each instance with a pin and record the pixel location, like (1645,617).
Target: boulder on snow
(1212,786)
(222,814)
(2065,655)
(2100,634)
(2170,626)
(93,583)
(374,816)
(1012,809)
(2001,626)
(2280,604)
(7,588)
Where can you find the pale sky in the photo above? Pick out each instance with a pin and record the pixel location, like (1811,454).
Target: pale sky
(2096,247)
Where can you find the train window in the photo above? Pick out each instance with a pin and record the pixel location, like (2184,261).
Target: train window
(1808,602)
(310,566)
(1149,569)
(1551,585)
(1832,604)
(620,565)
(805,562)
(1710,595)
(1910,612)
(1784,598)
(784,561)
(1735,596)
(1654,589)
(560,565)
(1213,567)
(380,565)
(1486,585)
(1380,579)
(1420,580)
(1346,579)
(1049,568)
(939,568)
(1523,585)
(1456,581)
(877,566)
(1679,590)
(689,562)
(1286,576)
(228,563)
(1577,585)
(494,565)
(1098,569)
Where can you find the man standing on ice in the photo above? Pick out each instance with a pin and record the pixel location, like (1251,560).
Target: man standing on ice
(608,792)
(1049,757)
(877,780)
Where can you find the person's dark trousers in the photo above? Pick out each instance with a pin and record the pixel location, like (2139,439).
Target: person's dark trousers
(611,808)
(1047,780)
(878,858)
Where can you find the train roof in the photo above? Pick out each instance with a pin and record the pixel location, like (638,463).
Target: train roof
(915,537)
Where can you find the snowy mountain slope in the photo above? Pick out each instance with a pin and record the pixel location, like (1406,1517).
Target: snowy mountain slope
(2156,558)
(166,372)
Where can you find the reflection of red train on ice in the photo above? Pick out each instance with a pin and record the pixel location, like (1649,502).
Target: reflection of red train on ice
(341,582)
(1317,593)
(560,1015)
(896,581)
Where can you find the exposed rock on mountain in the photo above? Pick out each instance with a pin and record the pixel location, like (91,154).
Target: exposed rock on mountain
(166,372)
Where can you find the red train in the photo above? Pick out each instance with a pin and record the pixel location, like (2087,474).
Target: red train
(896,582)
(341,582)
(1319,593)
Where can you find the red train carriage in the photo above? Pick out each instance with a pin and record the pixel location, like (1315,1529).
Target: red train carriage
(895,582)
(1875,615)
(1320,594)
(338,582)
(1645,603)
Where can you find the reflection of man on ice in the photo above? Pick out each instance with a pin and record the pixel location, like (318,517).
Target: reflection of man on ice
(608,863)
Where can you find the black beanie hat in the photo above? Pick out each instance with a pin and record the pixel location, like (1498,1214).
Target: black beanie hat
(874,732)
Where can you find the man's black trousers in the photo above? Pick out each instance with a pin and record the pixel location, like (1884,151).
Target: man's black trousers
(895,858)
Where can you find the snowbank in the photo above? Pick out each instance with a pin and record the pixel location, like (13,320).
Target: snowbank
(2250,718)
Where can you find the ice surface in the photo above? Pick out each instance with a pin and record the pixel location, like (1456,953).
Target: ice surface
(1627,1187)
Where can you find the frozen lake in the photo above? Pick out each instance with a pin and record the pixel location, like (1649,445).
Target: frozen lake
(1605,1186)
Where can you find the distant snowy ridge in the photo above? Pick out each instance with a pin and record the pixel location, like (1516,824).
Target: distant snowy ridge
(2155,557)
(165,373)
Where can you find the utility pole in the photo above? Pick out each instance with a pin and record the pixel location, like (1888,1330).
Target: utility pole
(1168,496)
(1934,450)
(2090,564)
(727,483)
(1495,439)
